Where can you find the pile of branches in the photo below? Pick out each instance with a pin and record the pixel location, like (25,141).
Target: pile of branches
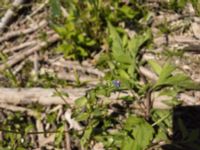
(26,36)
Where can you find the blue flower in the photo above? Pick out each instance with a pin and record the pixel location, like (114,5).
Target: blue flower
(116,83)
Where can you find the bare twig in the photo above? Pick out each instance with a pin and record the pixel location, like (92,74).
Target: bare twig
(21,109)
(41,7)
(73,124)
(186,43)
(19,67)
(10,14)
(20,56)
(70,65)
(13,34)
(39,95)
(21,46)
(67,139)
(39,127)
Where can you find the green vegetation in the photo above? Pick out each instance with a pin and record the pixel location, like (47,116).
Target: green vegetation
(89,27)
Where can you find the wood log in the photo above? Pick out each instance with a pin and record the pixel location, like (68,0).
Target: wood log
(39,95)
(42,96)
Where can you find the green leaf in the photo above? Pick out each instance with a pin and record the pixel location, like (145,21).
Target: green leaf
(88,132)
(137,41)
(117,45)
(59,135)
(161,135)
(82,117)
(143,134)
(141,131)
(155,66)
(134,45)
(128,143)
(196,5)
(55,8)
(163,118)
(80,102)
(123,74)
(165,73)
(129,12)
(51,118)
(60,30)
(86,136)
(122,57)
(132,121)
(182,81)
(118,51)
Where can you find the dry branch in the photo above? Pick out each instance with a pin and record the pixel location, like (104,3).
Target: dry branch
(179,40)
(22,55)
(70,65)
(10,14)
(49,97)
(21,46)
(13,34)
(39,95)
(20,109)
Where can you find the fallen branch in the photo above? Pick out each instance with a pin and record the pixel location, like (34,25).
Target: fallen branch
(186,42)
(20,109)
(70,65)
(10,14)
(22,55)
(13,34)
(49,97)
(71,76)
(21,46)
(39,95)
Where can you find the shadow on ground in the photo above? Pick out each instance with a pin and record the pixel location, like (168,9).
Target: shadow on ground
(186,129)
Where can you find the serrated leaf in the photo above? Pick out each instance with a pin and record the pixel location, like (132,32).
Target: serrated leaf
(128,143)
(165,73)
(122,57)
(137,41)
(143,135)
(141,131)
(182,81)
(117,45)
(118,51)
(132,121)
(155,66)
(134,45)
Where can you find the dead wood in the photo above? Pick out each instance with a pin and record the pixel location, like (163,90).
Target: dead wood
(13,34)
(10,14)
(21,46)
(22,55)
(49,97)
(39,95)
(19,109)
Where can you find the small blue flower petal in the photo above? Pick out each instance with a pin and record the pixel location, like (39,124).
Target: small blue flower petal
(116,83)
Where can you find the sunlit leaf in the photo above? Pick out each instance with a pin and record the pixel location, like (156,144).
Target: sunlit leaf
(165,73)
(155,66)
(80,102)
(82,117)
